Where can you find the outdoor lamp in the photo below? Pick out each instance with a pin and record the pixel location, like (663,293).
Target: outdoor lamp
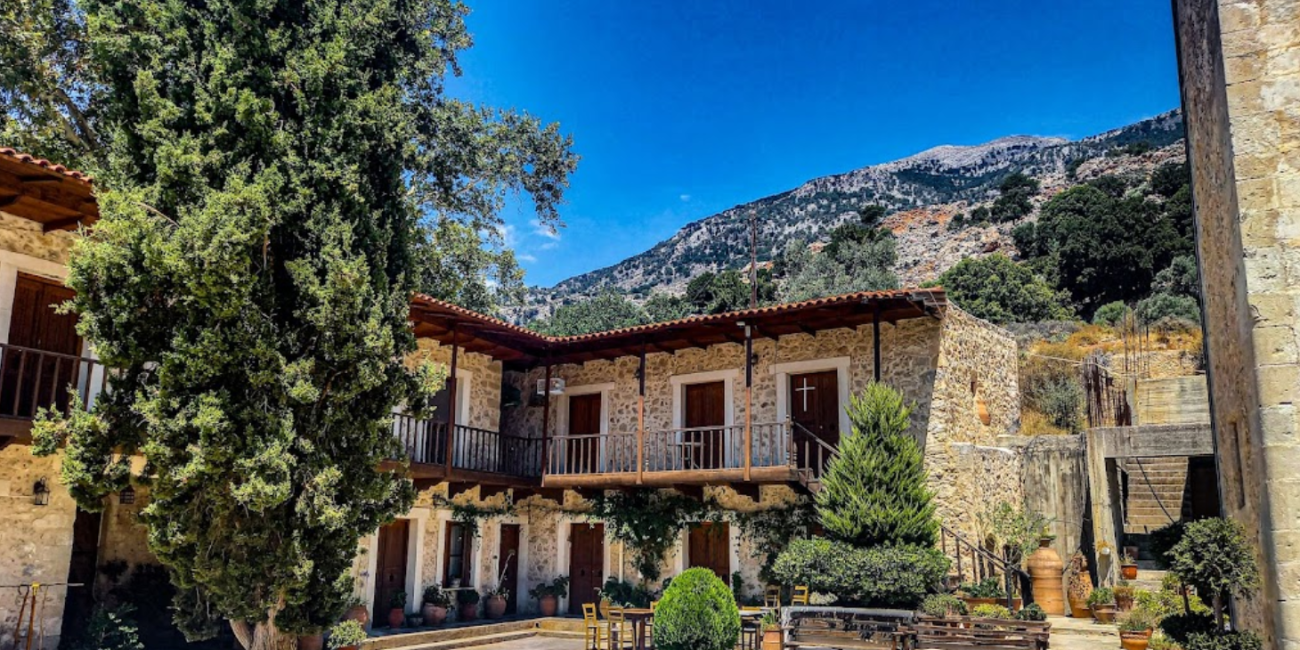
(41,493)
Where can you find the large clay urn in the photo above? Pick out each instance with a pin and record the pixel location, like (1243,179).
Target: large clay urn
(1045,572)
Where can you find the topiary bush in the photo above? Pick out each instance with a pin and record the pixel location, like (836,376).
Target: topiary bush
(879,576)
(697,612)
(991,611)
(1224,641)
(943,606)
(1213,556)
(874,490)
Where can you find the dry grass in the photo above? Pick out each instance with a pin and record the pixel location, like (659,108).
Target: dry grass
(1033,423)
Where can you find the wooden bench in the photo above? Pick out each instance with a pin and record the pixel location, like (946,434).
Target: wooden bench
(983,633)
(847,628)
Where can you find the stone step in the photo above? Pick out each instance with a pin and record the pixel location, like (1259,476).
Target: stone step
(463,642)
(395,640)
(560,624)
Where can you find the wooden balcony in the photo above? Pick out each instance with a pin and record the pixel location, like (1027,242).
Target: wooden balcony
(696,456)
(32,379)
(477,455)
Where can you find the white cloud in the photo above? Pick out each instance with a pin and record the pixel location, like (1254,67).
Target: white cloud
(685,197)
(546,231)
(549,245)
(526,257)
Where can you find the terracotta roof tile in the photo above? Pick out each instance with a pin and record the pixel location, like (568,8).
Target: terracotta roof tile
(14,154)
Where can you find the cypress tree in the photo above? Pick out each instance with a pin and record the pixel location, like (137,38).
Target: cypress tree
(874,491)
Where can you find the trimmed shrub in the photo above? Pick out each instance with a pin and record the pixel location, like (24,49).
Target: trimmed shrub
(991,611)
(697,612)
(1034,612)
(943,606)
(878,576)
(1213,555)
(874,490)
(1226,641)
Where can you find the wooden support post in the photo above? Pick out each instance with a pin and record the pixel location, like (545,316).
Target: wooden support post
(875,339)
(546,422)
(749,399)
(640,420)
(451,401)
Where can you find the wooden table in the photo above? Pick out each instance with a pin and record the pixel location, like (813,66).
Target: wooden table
(637,618)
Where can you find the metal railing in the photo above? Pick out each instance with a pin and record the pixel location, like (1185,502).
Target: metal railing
(32,379)
(974,563)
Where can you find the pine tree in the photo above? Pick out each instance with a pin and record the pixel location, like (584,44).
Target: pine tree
(874,491)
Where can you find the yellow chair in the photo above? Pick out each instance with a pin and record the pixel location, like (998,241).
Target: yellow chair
(619,633)
(800,595)
(595,632)
(772,597)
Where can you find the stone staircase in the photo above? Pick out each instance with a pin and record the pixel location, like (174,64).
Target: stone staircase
(480,634)
(1155,487)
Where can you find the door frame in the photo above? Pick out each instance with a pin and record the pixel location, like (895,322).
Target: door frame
(605,389)
(728,377)
(562,525)
(522,584)
(783,371)
(733,547)
(419,517)
(11,264)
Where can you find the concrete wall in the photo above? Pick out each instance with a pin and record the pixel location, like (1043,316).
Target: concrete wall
(1054,476)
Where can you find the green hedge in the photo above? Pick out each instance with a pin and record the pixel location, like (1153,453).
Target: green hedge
(697,612)
(877,576)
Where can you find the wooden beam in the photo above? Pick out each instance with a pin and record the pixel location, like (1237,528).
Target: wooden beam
(61,224)
(455,489)
(749,400)
(640,418)
(875,341)
(546,421)
(451,409)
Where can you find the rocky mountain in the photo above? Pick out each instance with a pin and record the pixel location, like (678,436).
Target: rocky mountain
(922,193)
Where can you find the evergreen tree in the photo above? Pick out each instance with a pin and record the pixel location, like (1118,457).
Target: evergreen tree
(874,490)
(263,172)
(999,290)
(609,310)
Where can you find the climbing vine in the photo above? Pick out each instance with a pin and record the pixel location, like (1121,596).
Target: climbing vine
(649,522)
(770,530)
(470,515)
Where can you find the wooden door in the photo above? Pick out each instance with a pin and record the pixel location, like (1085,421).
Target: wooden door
(815,406)
(390,566)
(705,407)
(85,558)
(583,454)
(32,380)
(508,564)
(586,564)
(709,546)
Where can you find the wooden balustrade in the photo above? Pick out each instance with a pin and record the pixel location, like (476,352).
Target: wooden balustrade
(811,454)
(671,450)
(473,449)
(32,379)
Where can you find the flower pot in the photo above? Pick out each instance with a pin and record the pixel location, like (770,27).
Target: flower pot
(773,639)
(496,606)
(1134,640)
(1123,603)
(548,605)
(1128,571)
(396,617)
(604,608)
(360,614)
(311,642)
(433,614)
(468,611)
(1046,575)
(1104,613)
(1079,608)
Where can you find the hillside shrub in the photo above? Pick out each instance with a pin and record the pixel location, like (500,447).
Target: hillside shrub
(1110,313)
(874,490)
(697,612)
(1165,307)
(879,576)
(1001,291)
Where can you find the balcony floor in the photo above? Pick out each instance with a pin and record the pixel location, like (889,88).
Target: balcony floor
(678,477)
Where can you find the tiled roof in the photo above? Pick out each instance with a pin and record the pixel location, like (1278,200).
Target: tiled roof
(14,154)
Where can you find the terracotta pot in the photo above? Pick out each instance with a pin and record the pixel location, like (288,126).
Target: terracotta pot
(604,608)
(1079,608)
(773,639)
(496,606)
(1123,603)
(433,614)
(468,611)
(396,616)
(311,642)
(360,614)
(1104,613)
(1134,640)
(1128,571)
(548,605)
(1046,572)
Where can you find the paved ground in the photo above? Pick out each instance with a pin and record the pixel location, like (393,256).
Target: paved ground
(1067,641)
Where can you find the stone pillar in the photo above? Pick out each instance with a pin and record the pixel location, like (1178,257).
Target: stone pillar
(1239,64)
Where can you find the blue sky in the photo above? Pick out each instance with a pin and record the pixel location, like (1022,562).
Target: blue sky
(682,109)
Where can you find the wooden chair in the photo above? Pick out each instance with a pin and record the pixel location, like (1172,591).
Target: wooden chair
(595,633)
(800,595)
(772,597)
(619,633)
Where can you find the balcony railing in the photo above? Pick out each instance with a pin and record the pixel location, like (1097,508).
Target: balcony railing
(473,449)
(32,379)
(671,450)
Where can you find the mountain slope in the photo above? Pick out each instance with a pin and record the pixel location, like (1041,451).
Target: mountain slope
(922,191)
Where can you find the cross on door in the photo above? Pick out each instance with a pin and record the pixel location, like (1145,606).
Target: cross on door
(803,390)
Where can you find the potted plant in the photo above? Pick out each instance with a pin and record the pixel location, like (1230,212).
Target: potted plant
(1128,565)
(988,591)
(548,595)
(1102,603)
(357,611)
(773,636)
(1135,629)
(346,635)
(434,607)
(467,599)
(943,606)
(397,610)
(1079,586)
(1124,594)
(496,602)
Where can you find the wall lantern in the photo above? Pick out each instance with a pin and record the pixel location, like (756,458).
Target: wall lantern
(41,493)
(126,496)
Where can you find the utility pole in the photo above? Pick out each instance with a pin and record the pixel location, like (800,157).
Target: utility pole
(753,259)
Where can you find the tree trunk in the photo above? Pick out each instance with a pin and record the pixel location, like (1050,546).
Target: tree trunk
(264,635)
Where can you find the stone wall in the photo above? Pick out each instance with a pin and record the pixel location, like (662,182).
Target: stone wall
(1054,477)
(27,237)
(485,381)
(35,541)
(122,536)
